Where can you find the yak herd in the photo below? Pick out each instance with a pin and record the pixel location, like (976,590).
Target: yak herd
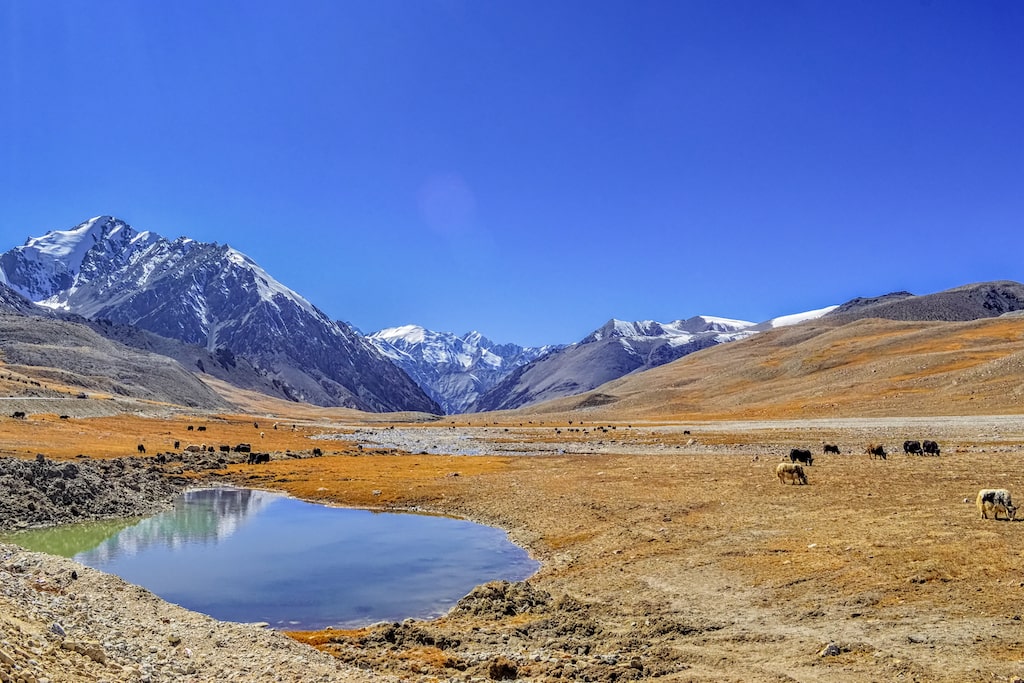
(991,503)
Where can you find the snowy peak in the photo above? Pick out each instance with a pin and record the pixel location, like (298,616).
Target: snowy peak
(452,370)
(710,323)
(267,287)
(650,329)
(49,264)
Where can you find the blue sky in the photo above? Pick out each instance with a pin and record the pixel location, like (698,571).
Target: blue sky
(530,169)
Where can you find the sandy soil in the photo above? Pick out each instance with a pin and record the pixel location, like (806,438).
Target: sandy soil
(680,555)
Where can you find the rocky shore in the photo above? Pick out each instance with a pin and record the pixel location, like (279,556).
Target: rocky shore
(61,622)
(44,492)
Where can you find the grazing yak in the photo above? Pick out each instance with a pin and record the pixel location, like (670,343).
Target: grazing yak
(930,447)
(790,473)
(257,458)
(801,455)
(876,450)
(912,447)
(830,448)
(995,501)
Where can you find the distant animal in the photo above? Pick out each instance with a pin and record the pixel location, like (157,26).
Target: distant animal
(317,452)
(65,417)
(995,501)
(18,415)
(790,473)
(930,447)
(912,447)
(177,445)
(686,432)
(243,448)
(141,448)
(256,425)
(225,448)
(190,428)
(201,428)
(192,448)
(257,458)
(876,451)
(262,435)
(801,455)
(830,448)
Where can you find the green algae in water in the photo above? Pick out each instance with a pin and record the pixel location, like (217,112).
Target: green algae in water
(70,539)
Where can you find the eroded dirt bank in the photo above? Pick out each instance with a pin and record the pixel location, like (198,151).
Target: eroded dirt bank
(679,557)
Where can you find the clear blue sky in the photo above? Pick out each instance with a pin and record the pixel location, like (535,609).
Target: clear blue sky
(530,169)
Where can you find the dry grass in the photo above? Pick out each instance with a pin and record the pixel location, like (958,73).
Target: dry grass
(119,436)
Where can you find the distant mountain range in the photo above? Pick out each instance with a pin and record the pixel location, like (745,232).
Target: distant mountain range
(215,312)
(619,348)
(452,370)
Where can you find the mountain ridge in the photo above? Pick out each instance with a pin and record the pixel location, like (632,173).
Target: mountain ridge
(213,296)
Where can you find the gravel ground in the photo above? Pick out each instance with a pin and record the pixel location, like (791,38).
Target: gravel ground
(64,623)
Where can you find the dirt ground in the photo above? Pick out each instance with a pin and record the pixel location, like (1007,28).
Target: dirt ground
(678,555)
(684,557)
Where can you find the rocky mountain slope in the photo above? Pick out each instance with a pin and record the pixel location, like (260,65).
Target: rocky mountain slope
(825,368)
(212,296)
(615,349)
(968,302)
(58,358)
(452,370)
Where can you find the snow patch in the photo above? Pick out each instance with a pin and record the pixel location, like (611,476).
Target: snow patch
(795,318)
(267,287)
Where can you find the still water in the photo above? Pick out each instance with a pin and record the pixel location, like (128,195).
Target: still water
(247,555)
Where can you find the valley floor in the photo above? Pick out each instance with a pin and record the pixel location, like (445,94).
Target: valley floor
(669,551)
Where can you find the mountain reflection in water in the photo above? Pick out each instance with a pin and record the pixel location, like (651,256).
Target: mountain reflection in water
(202,516)
(246,555)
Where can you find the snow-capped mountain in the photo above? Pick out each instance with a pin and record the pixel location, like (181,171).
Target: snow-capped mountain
(452,370)
(615,349)
(213,296)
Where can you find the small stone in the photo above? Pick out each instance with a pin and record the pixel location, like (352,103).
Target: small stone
(831,650)
(173,639)
(58,629)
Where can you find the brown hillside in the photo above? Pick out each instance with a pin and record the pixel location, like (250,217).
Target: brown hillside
(867,368)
